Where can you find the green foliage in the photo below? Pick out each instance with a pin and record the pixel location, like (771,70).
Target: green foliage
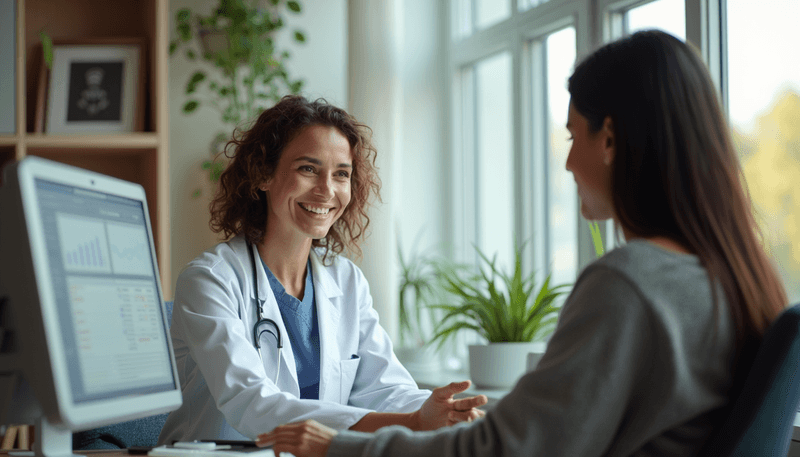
(419,287)
(597,238)
(513,312)
(47,49)
(238,39)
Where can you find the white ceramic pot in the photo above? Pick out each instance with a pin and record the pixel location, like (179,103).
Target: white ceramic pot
(500,365)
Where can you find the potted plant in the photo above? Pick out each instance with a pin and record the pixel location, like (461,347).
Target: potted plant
(238,38)
(419,287)
(506,310)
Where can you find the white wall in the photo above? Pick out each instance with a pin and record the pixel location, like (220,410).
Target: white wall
(321,62)
(396,77)
(423,200)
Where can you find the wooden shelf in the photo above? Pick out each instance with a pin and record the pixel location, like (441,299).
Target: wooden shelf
(140,157)
(143,140)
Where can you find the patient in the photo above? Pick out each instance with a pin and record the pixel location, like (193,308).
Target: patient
(652,340)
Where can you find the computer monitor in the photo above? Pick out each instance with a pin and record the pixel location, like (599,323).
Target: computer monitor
(84,340)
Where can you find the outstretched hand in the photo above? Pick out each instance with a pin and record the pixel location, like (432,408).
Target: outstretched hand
(301,439)
(441,409)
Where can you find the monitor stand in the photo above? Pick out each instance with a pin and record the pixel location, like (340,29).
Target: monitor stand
(50,441)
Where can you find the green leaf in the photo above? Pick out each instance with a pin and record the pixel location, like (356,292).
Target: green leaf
(216,171)
(172,47)
(190,54)
(47,49)
(293,6)
(184,31)
(299,36)
(190,106)
(597,238)
(196,193)
(183,15)
(196,78)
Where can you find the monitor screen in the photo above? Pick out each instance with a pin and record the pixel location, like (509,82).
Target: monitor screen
(104,285)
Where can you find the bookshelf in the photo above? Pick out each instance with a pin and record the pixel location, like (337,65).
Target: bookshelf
(140,156)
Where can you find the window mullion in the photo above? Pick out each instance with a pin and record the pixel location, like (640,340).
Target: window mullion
(519,186)
(538,154)
(475,193)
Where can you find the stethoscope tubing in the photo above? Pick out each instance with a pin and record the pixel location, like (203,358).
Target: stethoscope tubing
(263,320)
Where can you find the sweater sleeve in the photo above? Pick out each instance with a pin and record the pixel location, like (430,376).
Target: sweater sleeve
(573,403)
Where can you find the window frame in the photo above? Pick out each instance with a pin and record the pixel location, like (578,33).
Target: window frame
(515,35)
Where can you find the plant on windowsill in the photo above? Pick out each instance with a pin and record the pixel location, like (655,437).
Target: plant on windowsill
(238,38)
(511,317)
(419,287)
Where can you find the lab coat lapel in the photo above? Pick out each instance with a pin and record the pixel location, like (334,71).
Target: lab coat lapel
(325,289)
(271,311)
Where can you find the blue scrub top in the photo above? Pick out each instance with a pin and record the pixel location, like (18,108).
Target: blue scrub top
(300,319)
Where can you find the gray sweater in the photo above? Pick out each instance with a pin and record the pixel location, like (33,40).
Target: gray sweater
(640,364)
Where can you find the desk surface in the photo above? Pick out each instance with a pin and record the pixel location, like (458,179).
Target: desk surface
(96,452)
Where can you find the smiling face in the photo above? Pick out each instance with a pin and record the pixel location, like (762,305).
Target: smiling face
(590,159)
(311,185)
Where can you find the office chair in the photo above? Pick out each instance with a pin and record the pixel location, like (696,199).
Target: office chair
(138,432)
(761,419)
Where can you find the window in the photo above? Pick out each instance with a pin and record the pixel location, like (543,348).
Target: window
(555,208)
(511,185)
(666,15)
(490,12)
(763,85)
(494,178)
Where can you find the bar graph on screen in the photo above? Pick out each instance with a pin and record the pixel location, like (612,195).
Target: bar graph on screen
(84,246)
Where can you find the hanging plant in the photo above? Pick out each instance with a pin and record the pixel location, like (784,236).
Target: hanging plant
(238,38)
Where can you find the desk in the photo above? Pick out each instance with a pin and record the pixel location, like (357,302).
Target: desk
(88,453)
(99,453)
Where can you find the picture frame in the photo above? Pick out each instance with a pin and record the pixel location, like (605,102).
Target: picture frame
(94,86)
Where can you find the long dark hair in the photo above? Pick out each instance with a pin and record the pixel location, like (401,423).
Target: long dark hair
(675,172)
(239,207)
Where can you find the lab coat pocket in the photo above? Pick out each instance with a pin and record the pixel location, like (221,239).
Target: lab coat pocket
(348,373)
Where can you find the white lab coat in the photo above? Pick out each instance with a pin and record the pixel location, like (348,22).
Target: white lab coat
(228,393)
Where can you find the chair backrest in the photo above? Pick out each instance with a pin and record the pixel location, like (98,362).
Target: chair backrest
(761,420)
(138,432)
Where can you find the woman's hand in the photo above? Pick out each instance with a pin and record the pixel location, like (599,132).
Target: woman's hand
(301,439)
(441,409)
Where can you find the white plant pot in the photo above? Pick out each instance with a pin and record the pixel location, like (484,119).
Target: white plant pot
(500,365)
(418,359)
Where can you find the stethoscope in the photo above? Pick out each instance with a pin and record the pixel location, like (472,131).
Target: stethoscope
(262,320)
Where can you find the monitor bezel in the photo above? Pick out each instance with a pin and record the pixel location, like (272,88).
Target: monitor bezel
(95,412)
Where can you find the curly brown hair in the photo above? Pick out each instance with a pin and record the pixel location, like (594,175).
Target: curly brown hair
(239,207)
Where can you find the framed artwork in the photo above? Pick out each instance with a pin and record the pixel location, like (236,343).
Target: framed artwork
(93,87)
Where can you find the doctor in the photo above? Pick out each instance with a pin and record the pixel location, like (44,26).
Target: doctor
(273,325)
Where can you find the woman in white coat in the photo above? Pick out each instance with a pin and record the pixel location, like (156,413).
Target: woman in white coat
(273,325)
